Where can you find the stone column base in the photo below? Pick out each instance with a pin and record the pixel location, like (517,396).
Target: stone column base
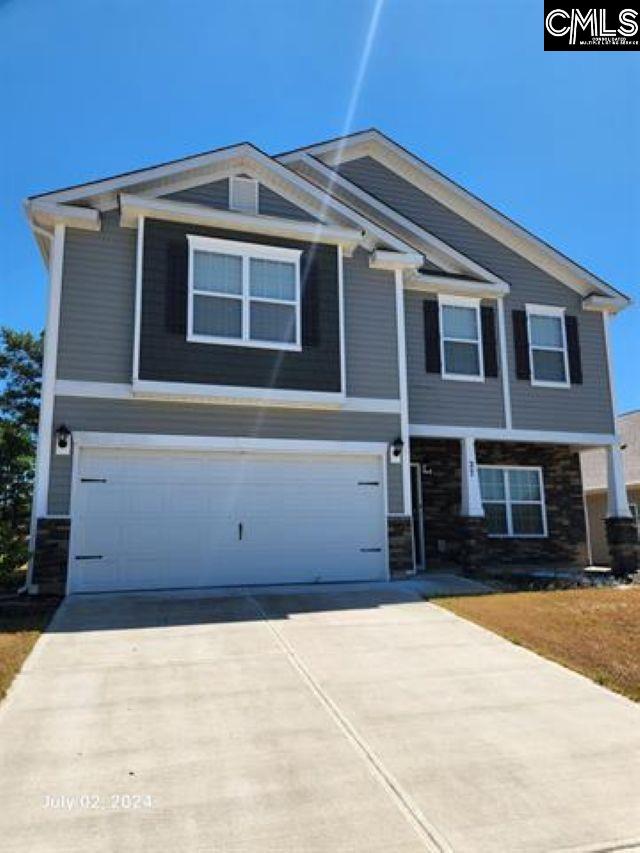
(622,538)
(400,531)
(50,556)
(473,539)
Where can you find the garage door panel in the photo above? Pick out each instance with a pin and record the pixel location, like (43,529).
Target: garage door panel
(162,520)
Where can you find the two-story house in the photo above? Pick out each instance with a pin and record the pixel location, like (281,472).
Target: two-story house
(326,365)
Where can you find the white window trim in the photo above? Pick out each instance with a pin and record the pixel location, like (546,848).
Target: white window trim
(245,251)
(460,302)
(234,184)
(548,311)
(508,502)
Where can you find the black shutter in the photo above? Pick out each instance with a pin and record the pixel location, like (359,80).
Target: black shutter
(521,344)
(431,336)
(177,291)
(573,347)
(489,348)
(309,297)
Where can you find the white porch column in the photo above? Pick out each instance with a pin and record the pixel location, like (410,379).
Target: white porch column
(617,503)
(471,501)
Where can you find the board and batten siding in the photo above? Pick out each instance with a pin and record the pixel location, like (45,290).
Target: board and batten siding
(371,341)
(445,402)
(173,418)
(581,408)
(97,303)
(216,194)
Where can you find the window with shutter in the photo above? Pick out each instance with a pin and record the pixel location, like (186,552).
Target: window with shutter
(461,353)
(548,357)
(243,294)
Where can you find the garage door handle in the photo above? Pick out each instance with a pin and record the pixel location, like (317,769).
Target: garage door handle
(371,550)
(88,557)
(240,530)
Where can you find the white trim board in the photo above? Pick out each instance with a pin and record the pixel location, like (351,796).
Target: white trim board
(147,441)
(374,144)
(243,396)
(133,207)
(527,435)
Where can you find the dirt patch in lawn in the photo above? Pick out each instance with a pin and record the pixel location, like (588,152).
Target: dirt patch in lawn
(594,631)
(21,623)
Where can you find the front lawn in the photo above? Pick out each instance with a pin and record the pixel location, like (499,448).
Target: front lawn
(21,623)
(593,631)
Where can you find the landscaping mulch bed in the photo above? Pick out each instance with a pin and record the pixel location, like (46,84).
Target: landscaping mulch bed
(593,631)
(22,620)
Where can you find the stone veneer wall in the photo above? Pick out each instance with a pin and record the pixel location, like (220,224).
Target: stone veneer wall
(444,530)
(50,555)
(400,532)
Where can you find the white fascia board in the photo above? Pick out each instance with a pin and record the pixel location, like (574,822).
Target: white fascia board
(47,214)
(607,304)
(133,207)
(426,283)
(435,249)
(466,205)
(119,182)
(384,260)
(585,439)
(148,441)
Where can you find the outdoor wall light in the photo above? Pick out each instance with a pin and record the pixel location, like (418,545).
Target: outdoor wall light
(63,440)
(395,450)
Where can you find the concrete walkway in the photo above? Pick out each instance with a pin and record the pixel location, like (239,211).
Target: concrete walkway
(341,720)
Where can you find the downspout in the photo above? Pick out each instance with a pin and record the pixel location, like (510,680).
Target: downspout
(45,422)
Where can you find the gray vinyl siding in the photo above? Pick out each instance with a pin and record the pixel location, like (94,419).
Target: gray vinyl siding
(97,303)
(581,408)
(172,418)
(445,402)
(216,194)
(370,330)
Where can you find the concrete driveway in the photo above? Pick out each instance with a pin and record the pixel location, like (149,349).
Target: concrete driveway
(342,721)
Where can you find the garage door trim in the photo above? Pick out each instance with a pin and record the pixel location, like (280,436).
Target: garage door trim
(185,443)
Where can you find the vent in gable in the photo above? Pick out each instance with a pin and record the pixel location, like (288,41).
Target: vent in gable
(243,195)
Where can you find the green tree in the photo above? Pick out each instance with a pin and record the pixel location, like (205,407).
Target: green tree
(20,377)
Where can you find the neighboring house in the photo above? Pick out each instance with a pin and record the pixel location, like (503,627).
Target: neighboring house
(327,365)
(594,481)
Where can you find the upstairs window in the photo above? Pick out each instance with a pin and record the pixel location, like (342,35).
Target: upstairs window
(460,338)
(547,346)
(243,195)
(513,501)
(243,294)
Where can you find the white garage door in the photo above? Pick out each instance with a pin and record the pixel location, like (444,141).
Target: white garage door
(156,520)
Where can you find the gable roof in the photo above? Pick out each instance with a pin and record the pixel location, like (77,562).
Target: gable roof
(594,462)
(373,143)
(176,175)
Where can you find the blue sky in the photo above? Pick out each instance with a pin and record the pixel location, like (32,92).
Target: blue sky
(93,88)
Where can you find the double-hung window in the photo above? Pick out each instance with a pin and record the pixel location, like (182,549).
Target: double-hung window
(513,501)
(460,338)
(548,359)
(243,294)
